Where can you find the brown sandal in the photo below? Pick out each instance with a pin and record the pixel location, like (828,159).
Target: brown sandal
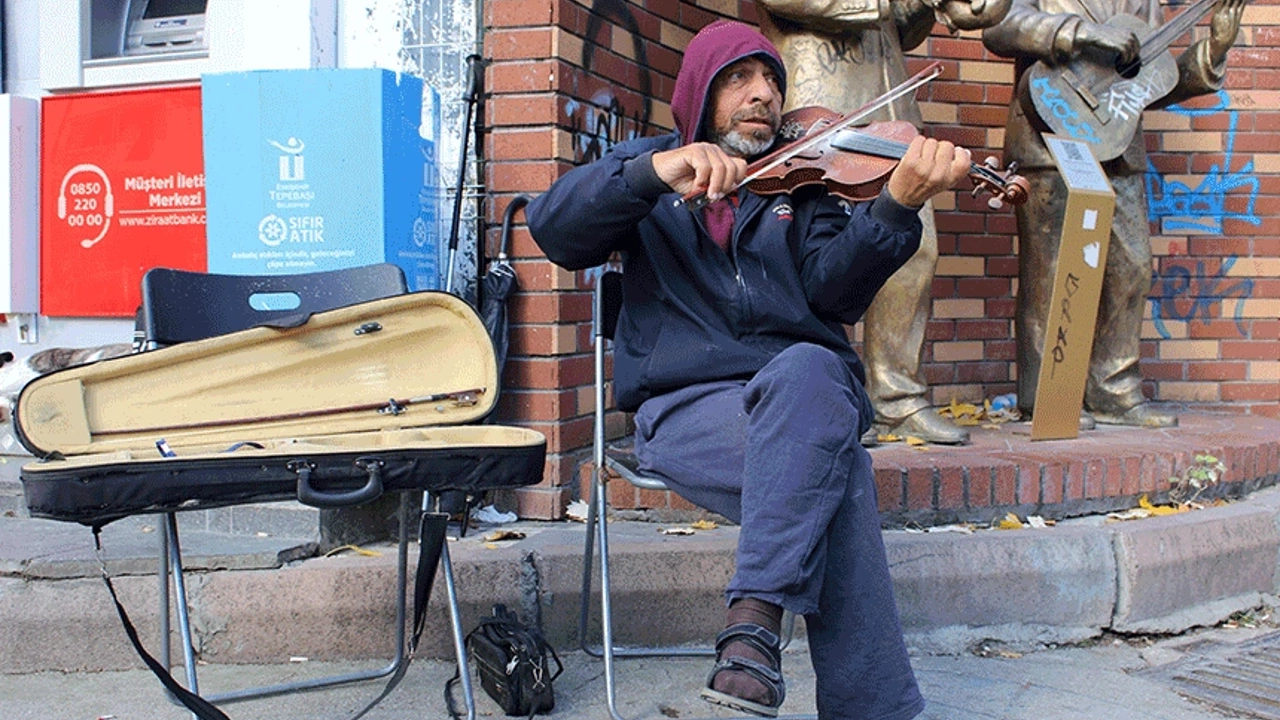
(770,676)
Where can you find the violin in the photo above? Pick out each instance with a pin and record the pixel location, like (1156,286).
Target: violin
(855,164)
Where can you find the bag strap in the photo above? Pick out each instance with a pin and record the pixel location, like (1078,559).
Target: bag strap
(431,538)
(202,708)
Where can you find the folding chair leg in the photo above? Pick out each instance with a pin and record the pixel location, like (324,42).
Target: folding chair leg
(459,637)
(173,551)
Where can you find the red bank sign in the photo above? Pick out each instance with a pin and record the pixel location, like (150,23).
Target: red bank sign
(121,191)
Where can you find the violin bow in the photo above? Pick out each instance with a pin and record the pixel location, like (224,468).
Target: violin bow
(698,200)
(461,398)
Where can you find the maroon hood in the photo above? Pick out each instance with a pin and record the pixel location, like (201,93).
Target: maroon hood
(716,46)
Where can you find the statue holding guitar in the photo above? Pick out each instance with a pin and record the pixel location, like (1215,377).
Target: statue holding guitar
(1086,69)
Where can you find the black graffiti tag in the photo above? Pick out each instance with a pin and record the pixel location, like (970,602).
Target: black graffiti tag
(603,122)
(1071,284)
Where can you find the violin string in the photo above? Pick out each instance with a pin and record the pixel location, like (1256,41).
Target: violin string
(870,144)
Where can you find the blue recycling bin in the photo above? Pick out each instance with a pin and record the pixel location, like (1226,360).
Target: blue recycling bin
(311,170)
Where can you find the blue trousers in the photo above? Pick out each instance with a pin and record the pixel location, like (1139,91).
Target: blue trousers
(780,455)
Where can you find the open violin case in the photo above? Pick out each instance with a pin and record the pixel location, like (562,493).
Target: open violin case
(378,397)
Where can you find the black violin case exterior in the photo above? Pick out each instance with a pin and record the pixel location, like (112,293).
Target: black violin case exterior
(377,397)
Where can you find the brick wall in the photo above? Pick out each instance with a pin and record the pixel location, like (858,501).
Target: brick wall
(568,79)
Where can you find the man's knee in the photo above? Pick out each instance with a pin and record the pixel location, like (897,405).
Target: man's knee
(805,360)
(802,368)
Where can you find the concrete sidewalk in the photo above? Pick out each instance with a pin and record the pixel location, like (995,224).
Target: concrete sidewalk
(251,603)
(1107,680)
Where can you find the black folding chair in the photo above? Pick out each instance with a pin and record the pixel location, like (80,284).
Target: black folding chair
(181,306)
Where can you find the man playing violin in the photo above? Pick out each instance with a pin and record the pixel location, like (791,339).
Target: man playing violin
(731,350)
(1057,32)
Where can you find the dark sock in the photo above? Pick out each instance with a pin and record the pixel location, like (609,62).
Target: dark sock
(738,683)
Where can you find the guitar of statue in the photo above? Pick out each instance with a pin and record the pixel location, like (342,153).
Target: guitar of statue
(1092,100)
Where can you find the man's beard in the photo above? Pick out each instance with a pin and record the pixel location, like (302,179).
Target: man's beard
(748,144)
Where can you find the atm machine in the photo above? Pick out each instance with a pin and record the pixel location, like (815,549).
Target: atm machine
(164,26)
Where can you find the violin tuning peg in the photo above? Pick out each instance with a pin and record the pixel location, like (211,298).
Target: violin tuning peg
(995,203)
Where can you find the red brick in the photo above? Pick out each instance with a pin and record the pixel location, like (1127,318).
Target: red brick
(984,245)
(1257,392)
(1073,481)
(1113,478)
(1029,483)
(1051,484)
(532,176)
(1002,266)
(516,13)
(651,499)
(920,488)
(984,287)
(1095,475)
(951,488)
(1006,484)
(551,373)
(1213,371)
(1150,478)
(518,44)
(1249,350)
(954,92)
(979,493)
(540,405)
(559,470)
(889,491)
(982,115)
(542,503)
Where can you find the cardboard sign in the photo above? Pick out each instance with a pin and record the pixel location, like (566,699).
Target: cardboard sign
(313,170)
(121,191)
(1077,286)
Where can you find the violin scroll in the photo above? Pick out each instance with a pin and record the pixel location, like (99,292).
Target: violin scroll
(1004,185)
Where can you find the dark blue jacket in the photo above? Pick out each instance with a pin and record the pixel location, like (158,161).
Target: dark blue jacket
(800,265)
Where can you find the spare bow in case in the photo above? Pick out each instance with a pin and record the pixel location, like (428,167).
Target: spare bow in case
(370,398)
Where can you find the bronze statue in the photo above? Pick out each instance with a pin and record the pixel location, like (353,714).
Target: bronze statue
(1075,56)
(841,55)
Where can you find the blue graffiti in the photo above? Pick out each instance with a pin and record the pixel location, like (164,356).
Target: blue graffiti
(1051,98)
(1198,292)
(1204,208)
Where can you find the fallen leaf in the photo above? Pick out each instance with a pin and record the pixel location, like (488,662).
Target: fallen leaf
(1010,522)
(353,548)
(1037,522)
(914,441)
(1145,504)
(503,535)
(888,438)
(703,525)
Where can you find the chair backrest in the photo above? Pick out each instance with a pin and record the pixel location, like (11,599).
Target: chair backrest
(180,305)
(608,304)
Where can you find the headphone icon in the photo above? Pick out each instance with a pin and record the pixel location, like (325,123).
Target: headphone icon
(108,202)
